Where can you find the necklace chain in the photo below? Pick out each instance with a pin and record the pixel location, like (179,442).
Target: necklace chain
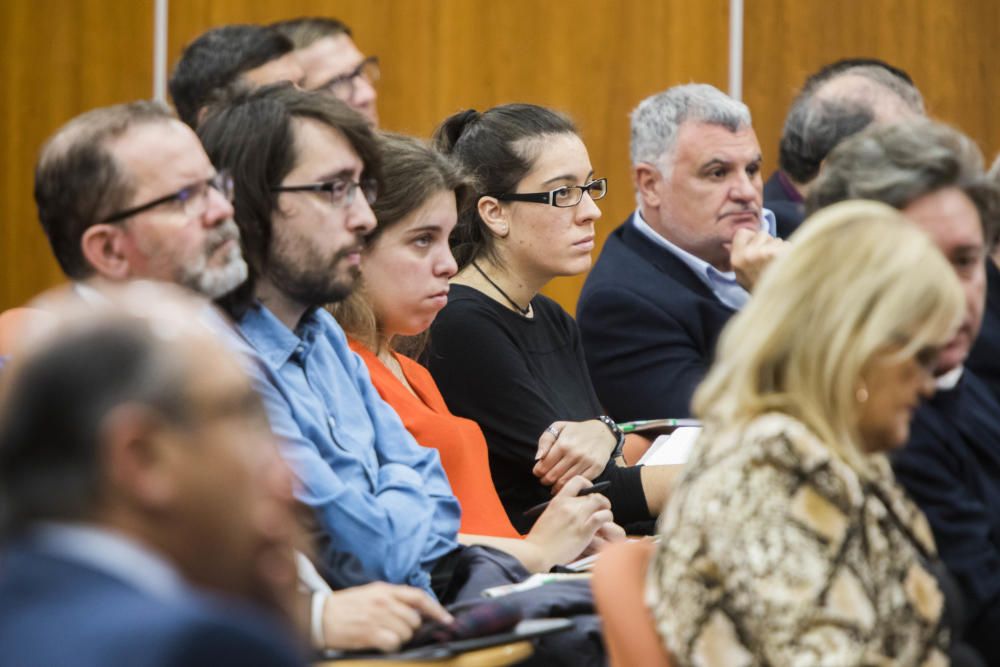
(523,311)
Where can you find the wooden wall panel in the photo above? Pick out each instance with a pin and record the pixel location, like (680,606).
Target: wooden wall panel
(594,59)
(949,47)
(59,58)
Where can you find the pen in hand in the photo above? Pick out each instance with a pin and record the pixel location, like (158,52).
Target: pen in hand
(532,512)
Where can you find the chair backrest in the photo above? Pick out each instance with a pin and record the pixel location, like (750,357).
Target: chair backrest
(619,584)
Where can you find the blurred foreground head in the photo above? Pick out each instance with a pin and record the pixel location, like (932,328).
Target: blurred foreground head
(842,332)
(130,416)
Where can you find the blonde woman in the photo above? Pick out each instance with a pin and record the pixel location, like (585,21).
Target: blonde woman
(787,541)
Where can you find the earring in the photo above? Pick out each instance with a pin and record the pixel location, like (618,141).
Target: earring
(502,231)
(861,394)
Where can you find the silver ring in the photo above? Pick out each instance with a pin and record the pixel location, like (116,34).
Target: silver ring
(553,430)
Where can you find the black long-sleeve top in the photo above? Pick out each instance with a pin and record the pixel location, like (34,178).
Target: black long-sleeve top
(514,376)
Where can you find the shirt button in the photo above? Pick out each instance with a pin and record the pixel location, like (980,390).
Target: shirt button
(333,422)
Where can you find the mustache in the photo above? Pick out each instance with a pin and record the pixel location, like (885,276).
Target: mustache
(357,246)
(226,231)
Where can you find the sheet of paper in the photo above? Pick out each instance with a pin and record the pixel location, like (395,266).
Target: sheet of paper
(671,449)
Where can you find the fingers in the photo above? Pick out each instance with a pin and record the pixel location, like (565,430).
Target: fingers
(612,532)
(423,604)
(741,238)
(387,641)
(548,438)
(378,615)
(602,516)
(573,486)
(565,466)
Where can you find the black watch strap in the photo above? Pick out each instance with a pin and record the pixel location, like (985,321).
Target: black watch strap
(615,431)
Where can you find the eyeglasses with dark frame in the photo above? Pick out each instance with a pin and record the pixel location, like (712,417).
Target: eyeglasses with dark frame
(193,198)
(340,192)
(564,197)
(343,86)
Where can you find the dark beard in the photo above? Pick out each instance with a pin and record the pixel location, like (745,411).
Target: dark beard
(311,280)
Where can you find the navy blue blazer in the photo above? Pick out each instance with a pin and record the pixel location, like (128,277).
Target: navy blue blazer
(649,328)
(984,359)
(951,468)
(55,612)
(788,213)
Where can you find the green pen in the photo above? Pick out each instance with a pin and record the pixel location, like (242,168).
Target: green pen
(645,424)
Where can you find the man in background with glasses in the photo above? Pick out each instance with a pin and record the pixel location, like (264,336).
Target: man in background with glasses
(332,62)
(672,275)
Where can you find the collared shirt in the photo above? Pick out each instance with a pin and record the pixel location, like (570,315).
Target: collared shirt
(113,553)
(949,380)
(375,492)
(722,283)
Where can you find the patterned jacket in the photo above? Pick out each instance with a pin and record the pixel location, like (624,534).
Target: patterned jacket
(775,552)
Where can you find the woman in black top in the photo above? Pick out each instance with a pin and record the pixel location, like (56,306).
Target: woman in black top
(506,356)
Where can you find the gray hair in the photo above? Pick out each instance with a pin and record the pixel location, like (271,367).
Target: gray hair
(899,163)
(994,172)
(817,122)
(658,118)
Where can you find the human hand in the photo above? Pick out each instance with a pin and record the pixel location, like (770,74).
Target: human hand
(580,448)
(605,535)
(751,252)
(379,615)
(569,523)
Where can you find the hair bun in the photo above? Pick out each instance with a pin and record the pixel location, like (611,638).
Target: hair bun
(452,129)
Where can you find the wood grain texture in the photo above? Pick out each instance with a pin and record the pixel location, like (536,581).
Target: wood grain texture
(949,47)
(60,58)
(594,59)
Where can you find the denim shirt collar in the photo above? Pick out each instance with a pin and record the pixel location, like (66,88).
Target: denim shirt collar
(275,342)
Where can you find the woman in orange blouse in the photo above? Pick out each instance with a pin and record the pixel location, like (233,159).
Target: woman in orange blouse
(406,268)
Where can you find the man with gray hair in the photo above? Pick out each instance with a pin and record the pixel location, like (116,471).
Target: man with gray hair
(951,464)
(839,100)
(673,274)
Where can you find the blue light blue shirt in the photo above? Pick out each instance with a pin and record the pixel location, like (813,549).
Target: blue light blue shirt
(376,492)
(722,283)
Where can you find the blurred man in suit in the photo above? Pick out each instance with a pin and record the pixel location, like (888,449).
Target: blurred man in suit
(839,100)
(951,464)
(672,275)
(136,471)
(332,62)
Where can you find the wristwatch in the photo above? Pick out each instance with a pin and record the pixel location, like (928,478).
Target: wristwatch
(615,431)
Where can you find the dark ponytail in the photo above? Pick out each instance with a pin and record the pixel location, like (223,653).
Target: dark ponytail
(492,146)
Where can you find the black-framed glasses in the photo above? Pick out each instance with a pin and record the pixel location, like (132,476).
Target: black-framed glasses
(343,85)
(340,191)
(193,199)
(564,197)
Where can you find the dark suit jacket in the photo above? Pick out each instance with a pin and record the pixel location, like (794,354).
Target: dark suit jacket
(649,328)
(56,612)
(951,468)
(788,212)
(984,359)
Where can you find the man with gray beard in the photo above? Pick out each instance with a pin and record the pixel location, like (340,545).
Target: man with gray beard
(127,192)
